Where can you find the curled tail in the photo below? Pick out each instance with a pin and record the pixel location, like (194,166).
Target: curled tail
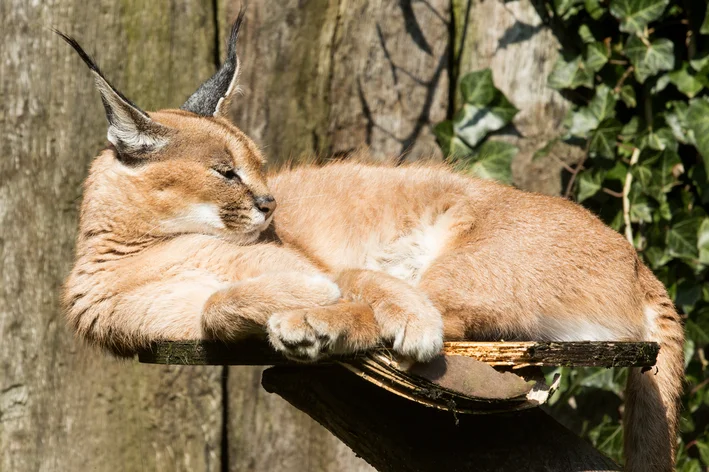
(652,398)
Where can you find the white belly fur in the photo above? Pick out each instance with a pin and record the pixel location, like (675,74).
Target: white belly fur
(408,256)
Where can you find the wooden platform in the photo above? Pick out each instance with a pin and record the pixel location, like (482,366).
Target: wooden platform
(472,408)
(513,354)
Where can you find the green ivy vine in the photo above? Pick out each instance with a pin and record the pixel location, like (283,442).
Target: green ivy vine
(637,73)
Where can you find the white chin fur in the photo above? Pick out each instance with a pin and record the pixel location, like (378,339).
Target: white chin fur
(203,218)
(197,218)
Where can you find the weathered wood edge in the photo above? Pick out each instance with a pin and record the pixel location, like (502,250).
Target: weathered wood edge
(499,354)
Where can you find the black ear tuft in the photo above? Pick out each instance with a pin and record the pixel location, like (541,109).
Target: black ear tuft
(213,97)
(130,129)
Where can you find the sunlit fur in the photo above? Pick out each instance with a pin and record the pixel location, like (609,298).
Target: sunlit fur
(497,263)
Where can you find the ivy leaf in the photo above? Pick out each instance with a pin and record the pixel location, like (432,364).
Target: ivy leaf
(643,175)
(585,34)
(692,465)
(649,58)
(705,30)
(617,172)
(472,123)
(685,82)
(627,94)
(634,15)
(667,166)
(696,333)
(594,8)
(661,84)
(571,74)
(608,437)
(701,59)
(676,118)
(698,123)
(604,138)
(659,140)
(631,129)
(566,8)
(703,451)
(597,55)
(493,161)
(640,208)
(603,103)
(703,241)
(451,145)
(478,87)
(501,107)
(656,256)
(589,185)
(682,239)
(601,107)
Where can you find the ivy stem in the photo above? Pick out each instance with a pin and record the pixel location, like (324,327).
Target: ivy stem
(577,169)
(626,195)
(612,193)
(625,75)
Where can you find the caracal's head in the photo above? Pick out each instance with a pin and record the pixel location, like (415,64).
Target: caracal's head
(177,171)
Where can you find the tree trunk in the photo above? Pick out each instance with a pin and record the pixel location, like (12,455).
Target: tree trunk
(323,78)
(62,406)
(320,78)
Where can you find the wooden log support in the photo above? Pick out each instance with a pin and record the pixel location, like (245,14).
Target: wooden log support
(396,435)
(482,396)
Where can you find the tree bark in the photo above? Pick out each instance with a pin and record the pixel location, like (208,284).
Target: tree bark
(64,407)
(320,78)
(328,78)
(397,435)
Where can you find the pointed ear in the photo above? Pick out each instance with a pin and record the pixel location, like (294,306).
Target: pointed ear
(130,129)
(213,97)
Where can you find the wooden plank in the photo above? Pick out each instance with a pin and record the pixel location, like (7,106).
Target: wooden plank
(396,435)
(63,406)
(521,354)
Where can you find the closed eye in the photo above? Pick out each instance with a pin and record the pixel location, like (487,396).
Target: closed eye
(229,174)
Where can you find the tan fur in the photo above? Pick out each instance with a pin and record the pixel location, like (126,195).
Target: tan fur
(168,248)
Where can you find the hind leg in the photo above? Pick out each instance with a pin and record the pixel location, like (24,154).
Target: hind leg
(488,293)
(475,300)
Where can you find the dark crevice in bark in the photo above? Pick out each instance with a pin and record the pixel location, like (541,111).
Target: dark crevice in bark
(331,76)
(217,35)
(225,419)
(224,443)
(455,52)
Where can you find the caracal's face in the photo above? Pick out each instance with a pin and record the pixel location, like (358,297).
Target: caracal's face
(209,179)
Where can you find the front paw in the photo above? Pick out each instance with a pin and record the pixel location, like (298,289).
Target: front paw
(416,331)
(296,338)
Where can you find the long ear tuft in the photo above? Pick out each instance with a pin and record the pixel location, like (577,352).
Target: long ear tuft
(130,129)
(213,97)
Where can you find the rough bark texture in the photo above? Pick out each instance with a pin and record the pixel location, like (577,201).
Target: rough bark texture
(320,77)
(397,435)
(327,77)
(64,407)
(323,78)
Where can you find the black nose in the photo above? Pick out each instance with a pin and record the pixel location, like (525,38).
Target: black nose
(266,204)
